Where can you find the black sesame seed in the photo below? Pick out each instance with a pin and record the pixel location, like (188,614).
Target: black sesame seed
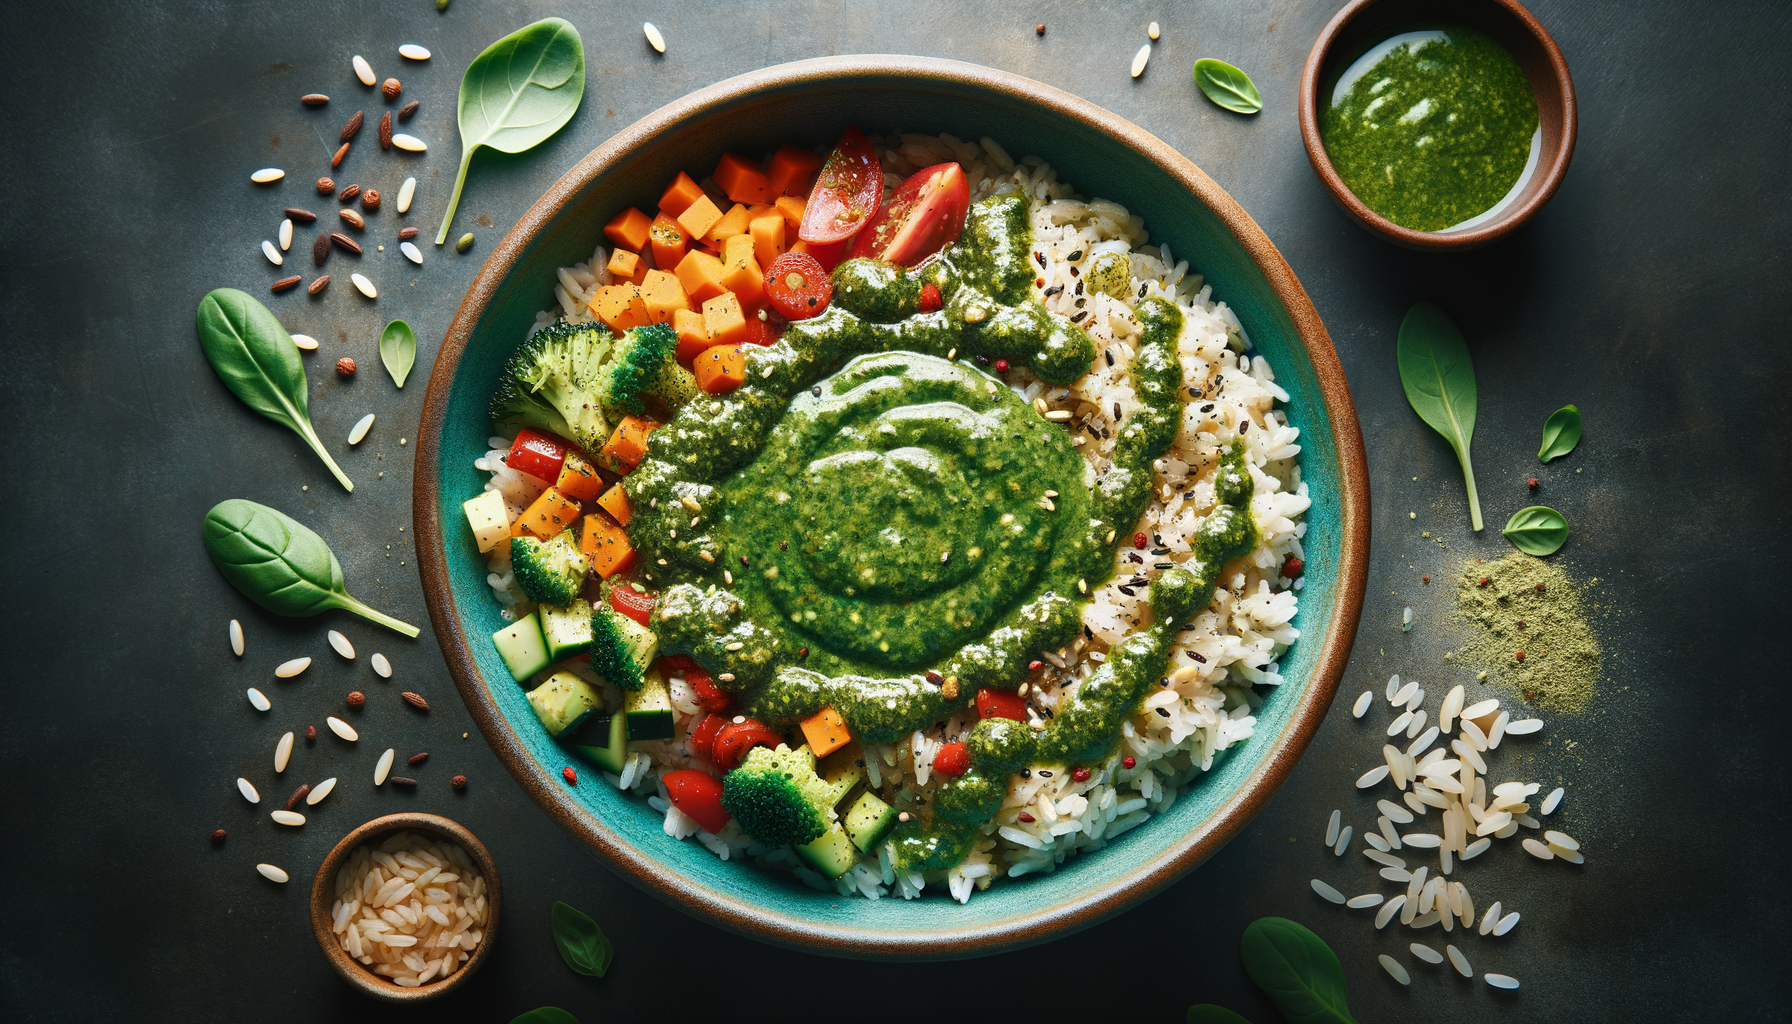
(1045,773)
(1142,288)
(1026,773)
(1197,657)
(1077,255)
(1164,712)
(1053,290)
(1207,408)
(1110,354)
(1077,319)
(1124,589)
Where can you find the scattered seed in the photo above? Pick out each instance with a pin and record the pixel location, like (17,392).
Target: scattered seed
(418,758)
(409,143)
(1397,972)
(458,782)
(349,193)
(267,175)
(293,818)
(343,647)
(273,254)
(326,186)
(218,835)
(323,789)
(1501,980)
(271,873)
(464,243)
(384,767)
(282,753)
(345,243)
(364,70)
(317,286)
(386,130)
(405,112)
(247,788)
(401,781)
(415,700)
(370,200)
(1139,59)
(297,794)
(654,39)
(341,151)
(285,283)
(364,286)
(314,99)
(390,89)
(407,192)
(353,218)
(288,669)
(410,232)
(411,252)
(311,732)
(342,729)
(1039,30)
(353,126)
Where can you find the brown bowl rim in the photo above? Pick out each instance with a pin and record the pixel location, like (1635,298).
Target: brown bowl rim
(1434,241)
(728,909)
(323,895)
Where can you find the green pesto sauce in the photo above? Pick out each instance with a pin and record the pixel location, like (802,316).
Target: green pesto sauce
(1435,132)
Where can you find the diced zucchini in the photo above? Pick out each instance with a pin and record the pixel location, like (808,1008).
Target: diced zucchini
(567,630)
(833,854)
(841,770)
(523,648)
(564,703)
(868,821)
(615,751)
(649,710)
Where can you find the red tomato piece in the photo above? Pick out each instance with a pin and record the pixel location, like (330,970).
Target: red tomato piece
(924,216)
(797,287)
(698,795)
(930,298)
(952,759)
(702,739)
(998,704)
(760,332)
(736,738)
(846,192)
(710,697)
(636,606)
(537,453)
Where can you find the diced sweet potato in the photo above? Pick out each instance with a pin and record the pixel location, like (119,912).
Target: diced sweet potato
(624,264)
(606,546)
(627,445)
(699,217)
(693,334)
(668,242)
(792,208)
(733,223)
(745,279)
(742,179)
(768,237)
(721,368)
(550,513)
(791,171)
(579,479)
(679,195)
(615,502)
(701,275)
(826,732)
(619,306)
(725,320)
(628,229)
(663,295)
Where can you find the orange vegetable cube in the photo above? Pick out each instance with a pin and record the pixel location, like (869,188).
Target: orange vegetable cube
(734,222)
(768,237)
(606,546)
(792,208)
(742,180)
(791,171)
(624,264)
(746,279)
(668,242)
(550,513)
(737,248)
(615,502)
(627,445)
(725,320)
(679,195)
(701,275)
(663,295)
(693,333)
(826,732)
(699,217)
(578,479)
(619,306)
(628,229)
(721,368)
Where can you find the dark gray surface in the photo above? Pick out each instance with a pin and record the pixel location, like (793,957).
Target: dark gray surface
(1652,292)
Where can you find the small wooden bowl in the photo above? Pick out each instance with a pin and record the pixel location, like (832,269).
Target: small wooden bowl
(323,894)
(1363,23)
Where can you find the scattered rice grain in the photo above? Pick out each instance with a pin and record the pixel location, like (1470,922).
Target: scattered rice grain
(236,645)
(282,752)
(1327,891)
(293,818)
(1550,802)
(1458,961)
(1362,704)
(1426,953)
(267,175)
(361,427)
(381,666)
(1501,980)
(247,788)
(271,873)
(343,647)
(384,767)
(654,39)
(1372,776)
(342,729)
(288,669)
(258,700)
(364,286)
(1366,900)
(1397,972)
(320,791)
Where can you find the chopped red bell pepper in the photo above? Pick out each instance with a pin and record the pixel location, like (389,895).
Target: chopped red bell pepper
(636,606)
(999,704)
(538,454)
(930,298)
(710,697)
(952,759)
(736,738)
(702,739)
(698,795)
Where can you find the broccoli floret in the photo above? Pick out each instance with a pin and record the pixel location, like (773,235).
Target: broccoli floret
(621,648)
(550,571)
(777,797)
(552,383)
(646,363)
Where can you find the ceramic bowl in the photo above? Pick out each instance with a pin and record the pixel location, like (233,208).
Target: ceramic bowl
(1103,155)
(1363,23)
(323,896)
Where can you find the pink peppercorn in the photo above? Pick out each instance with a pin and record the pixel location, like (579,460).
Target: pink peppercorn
(569,775)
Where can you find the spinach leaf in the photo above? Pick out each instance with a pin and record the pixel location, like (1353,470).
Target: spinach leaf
(257,360)
(398,350)
(1227,86)
(279,564)
(1297,970)
(1561,432)
(1537,530)
(1207,1013)
(1439,381)
(581,942)
(522,89)
(545,1014)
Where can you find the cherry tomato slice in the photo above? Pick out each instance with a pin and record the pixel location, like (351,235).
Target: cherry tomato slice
(698,795)
(710,697)
(952,759)
(636,606)
(736,738)
(760,332)
(846,192)
(930,298)
(702,739)
(797,287)
(998,704)
(538,454)
(924,216)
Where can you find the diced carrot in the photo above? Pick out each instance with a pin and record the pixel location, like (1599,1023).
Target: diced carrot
(721,368)
(791,171)
(550,513)
(668,242)
(745,279)
(768,237)
(792,208)
(742,179)
(734,222)
(619,306)
(828,254)
(693,334)
(758,210)
(627,445)
(663,295)
(701,275)
(699,217)
(826,732)
(628,229)
(679,195)
(606,546)
(578,479)
(737,248)
(724,319)
(615,502)
(624,264)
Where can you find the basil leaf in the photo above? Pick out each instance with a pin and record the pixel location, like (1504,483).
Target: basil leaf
(545,1015)
(1207,1013)
(522,89)
(257,360)
(1561,432)
(581,942)
(1227,86)
(398,350)
(280,564)
(1537,530)
(1296,969)
(1439,380)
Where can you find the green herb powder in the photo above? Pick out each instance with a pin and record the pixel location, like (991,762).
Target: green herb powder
(1532,606)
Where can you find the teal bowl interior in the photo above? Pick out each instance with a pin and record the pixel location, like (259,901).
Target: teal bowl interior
(1100,154)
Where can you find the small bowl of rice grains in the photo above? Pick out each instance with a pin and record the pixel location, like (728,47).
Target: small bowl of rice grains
(406,906)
